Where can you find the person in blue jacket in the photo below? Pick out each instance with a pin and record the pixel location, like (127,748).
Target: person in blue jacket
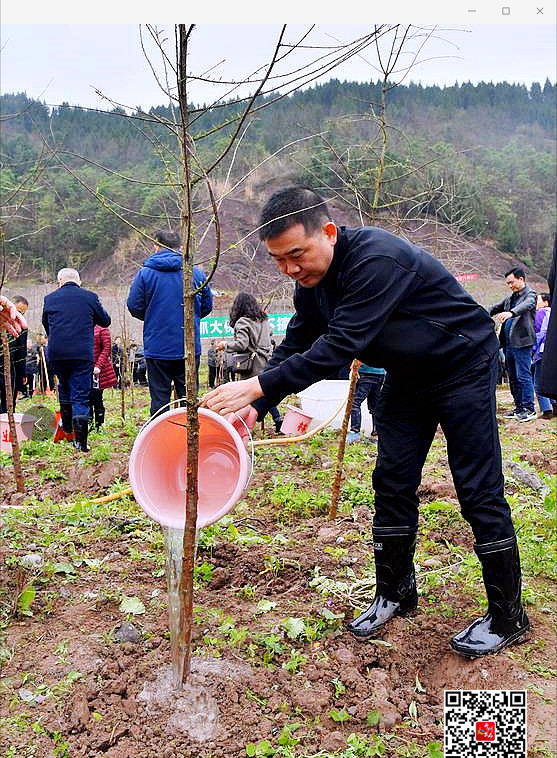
(366,294)
(156,298)
(69,318)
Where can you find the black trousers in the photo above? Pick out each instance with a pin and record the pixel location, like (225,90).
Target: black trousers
(97,406)
(161,374)
(407,418)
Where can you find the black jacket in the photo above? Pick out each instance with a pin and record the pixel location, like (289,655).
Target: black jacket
(387,303)
(522,305)
(69,317)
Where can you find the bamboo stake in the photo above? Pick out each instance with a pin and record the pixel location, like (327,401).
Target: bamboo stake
(342,440)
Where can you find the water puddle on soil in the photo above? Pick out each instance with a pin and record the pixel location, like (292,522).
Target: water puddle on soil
(193,711)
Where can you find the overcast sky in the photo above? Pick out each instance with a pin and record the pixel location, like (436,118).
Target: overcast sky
(65,63)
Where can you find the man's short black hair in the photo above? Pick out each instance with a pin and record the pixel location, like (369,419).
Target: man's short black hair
(546,297)
(21,299)
(293,205)
(168,238)
(517,272)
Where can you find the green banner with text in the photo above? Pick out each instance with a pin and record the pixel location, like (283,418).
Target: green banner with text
(213,327)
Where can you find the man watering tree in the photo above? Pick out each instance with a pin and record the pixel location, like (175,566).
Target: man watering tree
(367,294)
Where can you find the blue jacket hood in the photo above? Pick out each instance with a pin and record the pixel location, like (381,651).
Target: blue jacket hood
(164,260)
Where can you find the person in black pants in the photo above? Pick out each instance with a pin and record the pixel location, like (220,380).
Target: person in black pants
(69,317)
(366,294)
(368,387)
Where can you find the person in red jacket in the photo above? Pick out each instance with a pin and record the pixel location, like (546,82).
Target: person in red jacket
(103,372)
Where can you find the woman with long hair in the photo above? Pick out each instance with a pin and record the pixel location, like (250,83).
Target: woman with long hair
(252,341)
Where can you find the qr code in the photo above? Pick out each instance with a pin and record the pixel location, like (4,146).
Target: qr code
(485,723)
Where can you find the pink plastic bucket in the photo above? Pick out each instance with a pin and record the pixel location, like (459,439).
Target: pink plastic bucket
(295,421)
(23,426)
(157,468)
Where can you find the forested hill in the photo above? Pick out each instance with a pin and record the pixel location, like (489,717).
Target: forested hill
(480,158)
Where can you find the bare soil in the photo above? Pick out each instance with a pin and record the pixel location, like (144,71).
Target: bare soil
(112,709)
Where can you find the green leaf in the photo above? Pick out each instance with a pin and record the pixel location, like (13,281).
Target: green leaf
(264,606)
(251,750)
(132,605)
(373,718)
(63,568)
(25,600)
(330,616)
(434,750)
(293,627)
(339,716)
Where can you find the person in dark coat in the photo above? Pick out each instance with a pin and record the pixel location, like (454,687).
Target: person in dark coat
(69,317)
(548,372)
(156,298)
(103,372)
(516,314)
(212,364)
(118,360)
(367,294)
(20,350)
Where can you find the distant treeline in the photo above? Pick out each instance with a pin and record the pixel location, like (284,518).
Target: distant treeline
(481,157)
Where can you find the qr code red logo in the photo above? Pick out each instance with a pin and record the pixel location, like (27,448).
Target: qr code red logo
(485,731)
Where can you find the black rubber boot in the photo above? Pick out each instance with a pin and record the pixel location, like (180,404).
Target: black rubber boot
(395,592)
(66,417)
(81,429)
(278,425)
(505,621)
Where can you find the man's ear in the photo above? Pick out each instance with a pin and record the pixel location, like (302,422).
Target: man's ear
(330,231)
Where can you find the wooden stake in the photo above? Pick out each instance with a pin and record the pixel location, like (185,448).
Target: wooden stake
(342,440)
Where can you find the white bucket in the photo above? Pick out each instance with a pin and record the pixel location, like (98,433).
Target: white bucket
(23,427)
(322,399)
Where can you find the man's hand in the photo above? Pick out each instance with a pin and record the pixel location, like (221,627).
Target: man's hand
(501,317)
(220,345)
(10,318)
(248,416)
(96,371)
(232,396)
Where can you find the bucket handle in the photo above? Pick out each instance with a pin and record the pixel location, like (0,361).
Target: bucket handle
(252,453)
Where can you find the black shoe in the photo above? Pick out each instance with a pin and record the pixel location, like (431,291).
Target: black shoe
(278,425)
(81,429)
(505,621)
(395,593)
(547,414)
(526,416)
(66,417)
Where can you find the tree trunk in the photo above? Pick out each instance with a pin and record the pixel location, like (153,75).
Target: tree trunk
(192,421)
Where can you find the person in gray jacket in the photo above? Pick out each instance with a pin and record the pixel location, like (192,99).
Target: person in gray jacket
(516,314)
(252,337)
